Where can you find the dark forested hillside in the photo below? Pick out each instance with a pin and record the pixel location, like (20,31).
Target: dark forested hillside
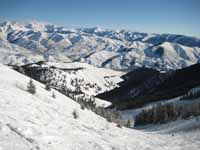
(147,85)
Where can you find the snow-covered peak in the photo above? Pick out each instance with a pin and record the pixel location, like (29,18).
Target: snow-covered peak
(35,25)
(123,50)
(9,26)
(91,30)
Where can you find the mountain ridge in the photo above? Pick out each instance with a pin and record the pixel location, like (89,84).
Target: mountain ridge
(115,49)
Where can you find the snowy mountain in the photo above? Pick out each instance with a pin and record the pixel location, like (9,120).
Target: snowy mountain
(24,43)
(39,121)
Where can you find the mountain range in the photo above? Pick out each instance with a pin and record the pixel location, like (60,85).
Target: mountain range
(23,43)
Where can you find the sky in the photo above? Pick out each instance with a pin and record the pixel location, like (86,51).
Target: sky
(153,16)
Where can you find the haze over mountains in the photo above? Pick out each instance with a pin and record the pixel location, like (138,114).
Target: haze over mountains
(22,43)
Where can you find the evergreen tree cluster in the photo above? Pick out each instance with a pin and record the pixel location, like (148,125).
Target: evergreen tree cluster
(167,112)
(88,102)
(191,95)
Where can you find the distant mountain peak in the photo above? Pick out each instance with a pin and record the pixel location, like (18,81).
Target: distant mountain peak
(122,49)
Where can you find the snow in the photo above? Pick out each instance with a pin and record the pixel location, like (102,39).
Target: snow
(18,56)
(98,47)
(104,78)
(102,103)
(178,126)
(132,113)
(98,58)
(41,122)
(194,90)
(89,79)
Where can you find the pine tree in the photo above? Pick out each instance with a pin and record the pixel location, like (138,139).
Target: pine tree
(128,123)
(31,87)
(53,95)
(48,87)
(75,114)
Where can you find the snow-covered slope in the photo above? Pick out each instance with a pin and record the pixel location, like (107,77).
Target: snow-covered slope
(74,76)
(172,55)
(41,122)
(102,79)
(103,48)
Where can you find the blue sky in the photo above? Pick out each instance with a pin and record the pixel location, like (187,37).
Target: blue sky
(158,16)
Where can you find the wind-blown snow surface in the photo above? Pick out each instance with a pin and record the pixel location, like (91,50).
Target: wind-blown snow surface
(40,122)
(103,48)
